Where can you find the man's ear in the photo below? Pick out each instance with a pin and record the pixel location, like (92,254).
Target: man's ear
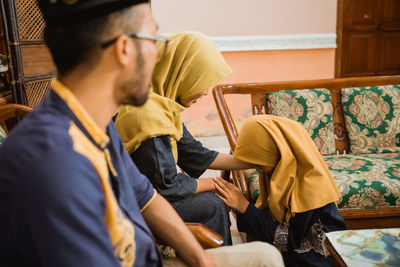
(124,50)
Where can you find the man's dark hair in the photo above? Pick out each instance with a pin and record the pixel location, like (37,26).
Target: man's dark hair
(78,44)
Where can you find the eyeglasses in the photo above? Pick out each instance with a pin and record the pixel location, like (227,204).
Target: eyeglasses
(161,42)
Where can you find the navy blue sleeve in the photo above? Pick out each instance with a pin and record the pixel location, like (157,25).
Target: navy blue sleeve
(63,206)
(257,223)
(155,160)
(141,186)
(193,157)
(144,190)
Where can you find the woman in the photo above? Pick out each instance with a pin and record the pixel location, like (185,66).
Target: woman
(157,140)
(296,205)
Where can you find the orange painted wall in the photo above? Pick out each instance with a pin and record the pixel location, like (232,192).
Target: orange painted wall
(251,17)
(202,118)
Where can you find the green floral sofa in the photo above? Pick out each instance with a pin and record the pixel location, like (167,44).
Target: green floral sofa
(355,124)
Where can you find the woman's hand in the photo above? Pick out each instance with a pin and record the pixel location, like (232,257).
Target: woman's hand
(205,185)
(231,195)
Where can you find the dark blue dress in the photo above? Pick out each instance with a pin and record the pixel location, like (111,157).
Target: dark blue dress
(304,231)
(154,159)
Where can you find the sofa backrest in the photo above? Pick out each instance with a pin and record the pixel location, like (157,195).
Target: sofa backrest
(259,92)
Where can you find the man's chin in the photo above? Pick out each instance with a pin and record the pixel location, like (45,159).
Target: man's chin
(137,101)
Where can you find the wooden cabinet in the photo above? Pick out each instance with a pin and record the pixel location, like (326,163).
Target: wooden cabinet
(368,38)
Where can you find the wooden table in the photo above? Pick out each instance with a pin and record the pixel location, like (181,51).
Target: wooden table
(364,248)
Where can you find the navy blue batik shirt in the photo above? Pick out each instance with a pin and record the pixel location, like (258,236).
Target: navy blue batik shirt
(69,192)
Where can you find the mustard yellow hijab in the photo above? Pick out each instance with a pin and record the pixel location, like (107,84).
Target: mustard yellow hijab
(191,65)
(300,180)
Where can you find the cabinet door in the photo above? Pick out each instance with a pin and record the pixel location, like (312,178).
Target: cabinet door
(388,47)
(361,15)
(390,15)
(388,61)
(359,57)
(368,33)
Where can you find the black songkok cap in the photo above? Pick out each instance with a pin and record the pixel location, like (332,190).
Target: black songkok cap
(68,12)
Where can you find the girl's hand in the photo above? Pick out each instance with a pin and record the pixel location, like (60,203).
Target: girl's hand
(231,195)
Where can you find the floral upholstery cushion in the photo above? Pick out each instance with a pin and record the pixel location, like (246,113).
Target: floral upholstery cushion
(312,108)
(372,116)
(3,135)
(365,181)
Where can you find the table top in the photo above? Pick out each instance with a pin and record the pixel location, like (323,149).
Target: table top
(367,247)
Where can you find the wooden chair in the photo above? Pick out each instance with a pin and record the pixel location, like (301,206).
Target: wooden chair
(10,111)
(206,237)
(5,97)
(356,219)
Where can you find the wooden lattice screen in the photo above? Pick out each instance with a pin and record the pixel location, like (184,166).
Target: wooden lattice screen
(30,20)
(35,91)
(31,67)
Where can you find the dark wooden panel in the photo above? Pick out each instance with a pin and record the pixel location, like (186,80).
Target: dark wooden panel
(2,39)
(373,218)
(389,55)
(390,15)
(362,15)
(37,60)
(367,38)
(339,39)
(3,51)
(360,47)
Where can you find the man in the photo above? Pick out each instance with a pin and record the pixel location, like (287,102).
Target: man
(69,193)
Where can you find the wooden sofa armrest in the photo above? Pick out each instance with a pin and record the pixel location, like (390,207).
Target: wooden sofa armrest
(226,117)
(232,134)
(13,110)
(9,111)
(239,180)
(206,237)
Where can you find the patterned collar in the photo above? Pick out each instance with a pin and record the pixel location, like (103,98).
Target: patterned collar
(93,129)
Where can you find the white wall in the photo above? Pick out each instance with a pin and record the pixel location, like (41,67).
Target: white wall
(246,17)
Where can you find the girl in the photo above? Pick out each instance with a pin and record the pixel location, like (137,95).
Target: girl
(296,205)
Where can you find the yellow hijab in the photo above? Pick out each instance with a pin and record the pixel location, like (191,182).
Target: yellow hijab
(191,65)
(300,180)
